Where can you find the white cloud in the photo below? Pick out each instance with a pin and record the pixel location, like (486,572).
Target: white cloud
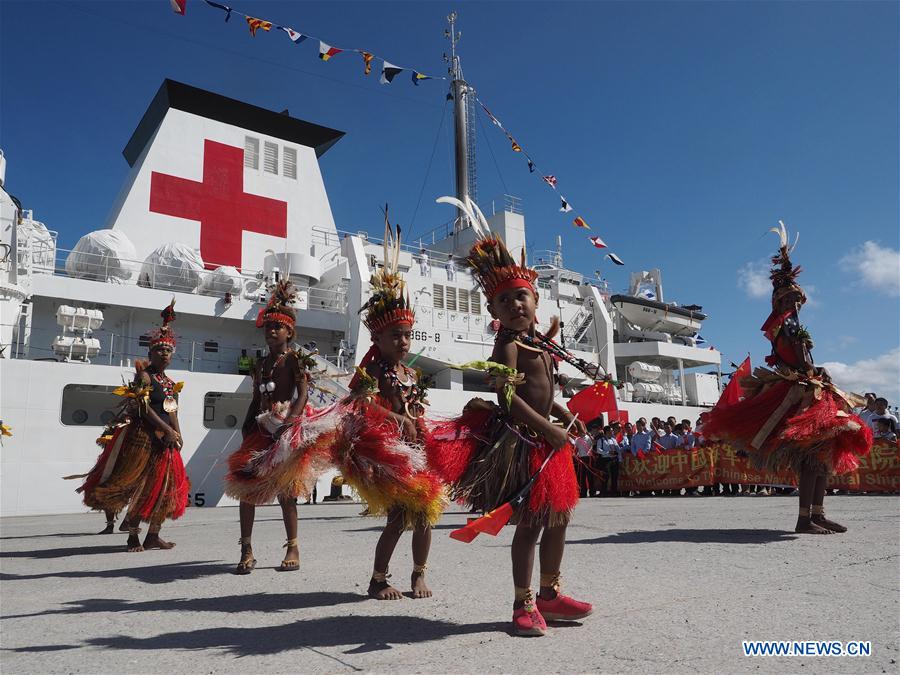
(753,279)
(877,266)
(880,374)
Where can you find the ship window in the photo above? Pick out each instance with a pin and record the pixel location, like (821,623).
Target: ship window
(451,299)
(475,302)
(290,163)
(144,341)
(438,300)
(223,410)
(211,347)
(91,405)
(251,152)
(462,300)
(270,158)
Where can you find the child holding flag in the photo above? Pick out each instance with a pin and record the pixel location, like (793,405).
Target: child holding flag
(495,455)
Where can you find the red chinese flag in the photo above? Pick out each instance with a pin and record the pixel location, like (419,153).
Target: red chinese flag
(733,391)
(590,403)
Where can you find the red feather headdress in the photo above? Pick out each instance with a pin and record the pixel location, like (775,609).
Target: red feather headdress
(278,308)
(164,335)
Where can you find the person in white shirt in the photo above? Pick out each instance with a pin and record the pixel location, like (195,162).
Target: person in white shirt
(609,454)
(866,413)
(424,267)
(451,268)
(881,413)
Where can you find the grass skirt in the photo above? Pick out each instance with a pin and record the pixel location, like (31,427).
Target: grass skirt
(486,458)
(793,423)
(136,471)
(264,468)
(386,471)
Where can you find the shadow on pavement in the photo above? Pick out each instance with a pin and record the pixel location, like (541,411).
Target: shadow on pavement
(49,553)
(253,602)
(153,574)
(361,633)
(716,536)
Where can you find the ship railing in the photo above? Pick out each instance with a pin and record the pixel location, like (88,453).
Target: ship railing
(207,356)
(414,249)
(251,283)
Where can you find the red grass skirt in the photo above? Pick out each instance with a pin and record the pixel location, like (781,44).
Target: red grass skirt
(791,423)
(264,468)
(136,471)
(389,473)
(486,458)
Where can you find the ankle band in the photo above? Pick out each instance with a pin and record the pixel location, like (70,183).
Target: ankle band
(290,542)
(420,569)
(804,512)
(817,510)
(551,580)
(380,577)
(524,594)
(244,541)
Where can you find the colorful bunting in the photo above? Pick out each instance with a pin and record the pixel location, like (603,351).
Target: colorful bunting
(565,208)
(616,259)
(224,8)
(580,222)
(367,60)
(178,6)
(326,51)
(295,37)
(255,24)
(515,146)
(388,72)
(530,166)
(550,180)
(417,76)
(597,242)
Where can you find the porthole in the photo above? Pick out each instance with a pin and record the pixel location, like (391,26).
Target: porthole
(79,416)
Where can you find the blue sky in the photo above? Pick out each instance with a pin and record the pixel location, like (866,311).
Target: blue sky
(681,131)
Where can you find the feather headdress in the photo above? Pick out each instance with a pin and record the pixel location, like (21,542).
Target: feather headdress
(278,309)
(491,263)
(164,335)
(389,302)
(783,273)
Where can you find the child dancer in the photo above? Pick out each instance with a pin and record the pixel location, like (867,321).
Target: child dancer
(140,467)
(489,453)
(794,415)
(380,453)
(278,457)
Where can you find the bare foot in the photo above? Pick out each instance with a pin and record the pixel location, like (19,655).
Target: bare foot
(153,541)
(822,521)
(806,526)
(109,529)
(382,590)
(419,587)
(134,544)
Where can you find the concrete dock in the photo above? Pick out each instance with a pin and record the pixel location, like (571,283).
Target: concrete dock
(677,584)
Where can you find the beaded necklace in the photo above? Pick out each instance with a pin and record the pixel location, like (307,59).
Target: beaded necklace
(411,393)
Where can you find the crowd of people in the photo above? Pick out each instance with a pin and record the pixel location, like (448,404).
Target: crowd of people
(602,451)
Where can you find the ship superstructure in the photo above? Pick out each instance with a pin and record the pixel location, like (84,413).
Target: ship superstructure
(223,197)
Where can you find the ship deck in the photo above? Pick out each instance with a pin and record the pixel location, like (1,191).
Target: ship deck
(677,584)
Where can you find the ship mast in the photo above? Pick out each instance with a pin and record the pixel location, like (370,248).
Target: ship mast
(464,130)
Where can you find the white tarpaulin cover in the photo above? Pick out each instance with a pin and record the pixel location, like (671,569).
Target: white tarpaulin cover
(173,267)
(222,280)
(103,255)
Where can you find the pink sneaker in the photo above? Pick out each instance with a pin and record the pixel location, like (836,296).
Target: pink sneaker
(528,621)
(564,608)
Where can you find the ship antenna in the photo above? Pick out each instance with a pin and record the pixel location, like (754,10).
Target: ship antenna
(464,131)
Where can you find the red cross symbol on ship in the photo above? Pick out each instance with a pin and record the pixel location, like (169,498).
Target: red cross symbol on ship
(219,202)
